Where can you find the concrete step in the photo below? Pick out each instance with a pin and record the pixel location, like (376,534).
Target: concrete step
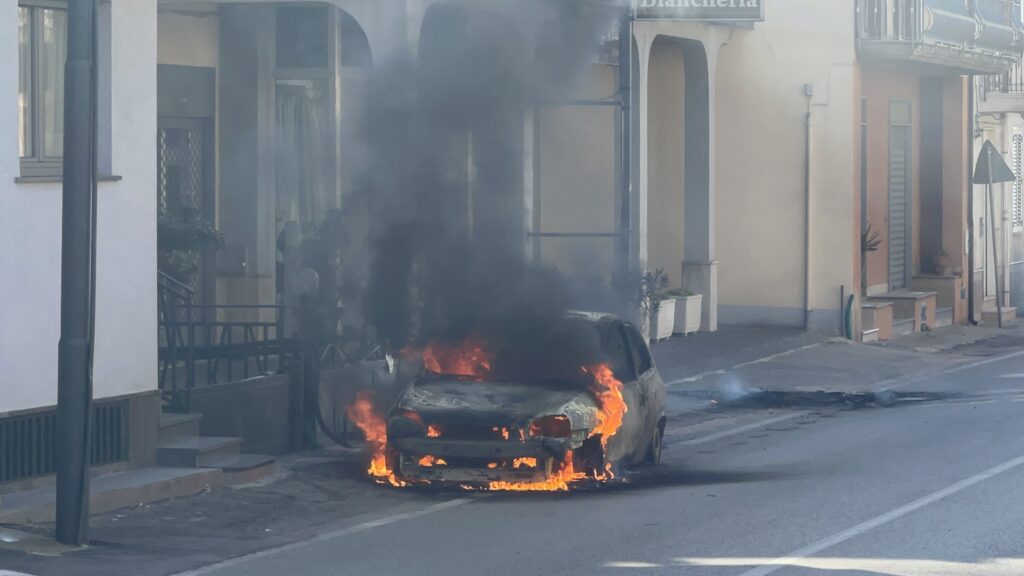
(903,326)
(943,317)
(243,468)
(111,492)
(179,425)
(196,451)
(870,335)
(989,315)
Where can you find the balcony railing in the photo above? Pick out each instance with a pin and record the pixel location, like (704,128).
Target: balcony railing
(981,36)
(1009,82)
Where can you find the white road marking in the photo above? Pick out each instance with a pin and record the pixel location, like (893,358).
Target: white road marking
(734,431)
(798,556)
(336,534)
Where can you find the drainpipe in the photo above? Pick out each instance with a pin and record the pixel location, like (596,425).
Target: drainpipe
(808,92)
(969,275)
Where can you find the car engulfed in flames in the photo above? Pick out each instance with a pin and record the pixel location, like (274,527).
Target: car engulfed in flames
(463,424)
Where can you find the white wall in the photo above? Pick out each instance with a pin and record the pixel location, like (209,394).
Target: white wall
(30,221)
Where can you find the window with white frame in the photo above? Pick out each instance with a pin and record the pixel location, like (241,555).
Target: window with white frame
(1018,183)
(42,51)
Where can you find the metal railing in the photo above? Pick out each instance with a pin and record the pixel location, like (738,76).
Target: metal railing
(896,20)
(971,23)
(203,344)
(1009,82)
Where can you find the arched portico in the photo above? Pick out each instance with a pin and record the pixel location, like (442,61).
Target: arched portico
(692,189)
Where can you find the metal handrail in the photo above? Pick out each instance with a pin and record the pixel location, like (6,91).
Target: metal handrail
(194,332)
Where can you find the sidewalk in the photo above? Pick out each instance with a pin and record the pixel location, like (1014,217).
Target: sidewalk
(734,361)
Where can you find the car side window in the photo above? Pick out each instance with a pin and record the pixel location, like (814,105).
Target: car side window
(641,353)
(617,354)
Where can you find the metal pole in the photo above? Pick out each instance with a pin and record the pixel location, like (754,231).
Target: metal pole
(992,232)
(969,275)
(626,97)
(74,363)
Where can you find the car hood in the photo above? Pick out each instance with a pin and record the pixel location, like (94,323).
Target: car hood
(498,402)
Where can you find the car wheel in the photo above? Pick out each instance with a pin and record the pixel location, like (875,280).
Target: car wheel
(653,456)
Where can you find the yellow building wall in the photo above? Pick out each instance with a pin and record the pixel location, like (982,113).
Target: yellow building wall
(761,111)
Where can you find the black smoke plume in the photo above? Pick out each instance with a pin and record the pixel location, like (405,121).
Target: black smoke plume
(445,133)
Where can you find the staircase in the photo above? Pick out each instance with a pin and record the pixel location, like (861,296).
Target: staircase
(181,446)
(990,315)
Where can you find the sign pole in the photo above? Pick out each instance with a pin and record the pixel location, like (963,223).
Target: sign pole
(995,250)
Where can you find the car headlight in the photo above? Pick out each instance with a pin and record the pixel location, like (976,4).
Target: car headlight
(405,424)
(551,427)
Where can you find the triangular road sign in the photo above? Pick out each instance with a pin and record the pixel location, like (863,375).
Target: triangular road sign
(991,158)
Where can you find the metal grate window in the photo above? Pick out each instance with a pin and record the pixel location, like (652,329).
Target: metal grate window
(28,443)
(1018,183)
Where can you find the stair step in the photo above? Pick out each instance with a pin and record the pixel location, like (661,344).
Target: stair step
(943,317)
(903,327)
(243,468)
(174,425)
(990,316)
(110,492)
(196,451)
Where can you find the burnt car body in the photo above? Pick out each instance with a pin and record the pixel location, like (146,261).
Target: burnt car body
(521,427)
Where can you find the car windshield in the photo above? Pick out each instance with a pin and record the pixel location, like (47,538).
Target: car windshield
(539,353)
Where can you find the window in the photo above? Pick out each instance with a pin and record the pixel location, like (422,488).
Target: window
(1018,209)
(641,354)
(42,51)
(617,354)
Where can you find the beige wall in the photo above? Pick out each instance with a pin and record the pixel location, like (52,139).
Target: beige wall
(187,39)
(760,163)
(578,180)
(666,161)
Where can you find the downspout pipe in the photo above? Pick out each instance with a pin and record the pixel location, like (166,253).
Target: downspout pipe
(808,92)
(969,275)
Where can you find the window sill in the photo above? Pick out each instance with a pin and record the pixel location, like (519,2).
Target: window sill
(45,179)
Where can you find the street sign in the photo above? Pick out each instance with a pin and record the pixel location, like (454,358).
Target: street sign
(991,168)
(714,10)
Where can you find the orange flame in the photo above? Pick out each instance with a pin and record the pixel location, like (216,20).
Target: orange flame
(470,359)
(502,431)
(608,391)
(559,480)
(524,463)
(430,461)
(364,416)
(433,431)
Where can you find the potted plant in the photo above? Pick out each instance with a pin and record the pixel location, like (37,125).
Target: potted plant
(687,311)
(658,310)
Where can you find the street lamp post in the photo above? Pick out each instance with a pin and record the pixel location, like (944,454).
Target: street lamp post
(75,350)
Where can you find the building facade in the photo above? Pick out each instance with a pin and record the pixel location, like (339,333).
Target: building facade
(31,144)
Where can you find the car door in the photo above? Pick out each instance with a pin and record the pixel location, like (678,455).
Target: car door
(654,390)
(623,446)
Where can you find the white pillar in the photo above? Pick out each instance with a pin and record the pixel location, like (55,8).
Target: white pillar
(644,41)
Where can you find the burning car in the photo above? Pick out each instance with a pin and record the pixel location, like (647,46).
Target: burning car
(577,401)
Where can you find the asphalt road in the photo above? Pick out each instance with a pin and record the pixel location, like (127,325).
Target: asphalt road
(931,486)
